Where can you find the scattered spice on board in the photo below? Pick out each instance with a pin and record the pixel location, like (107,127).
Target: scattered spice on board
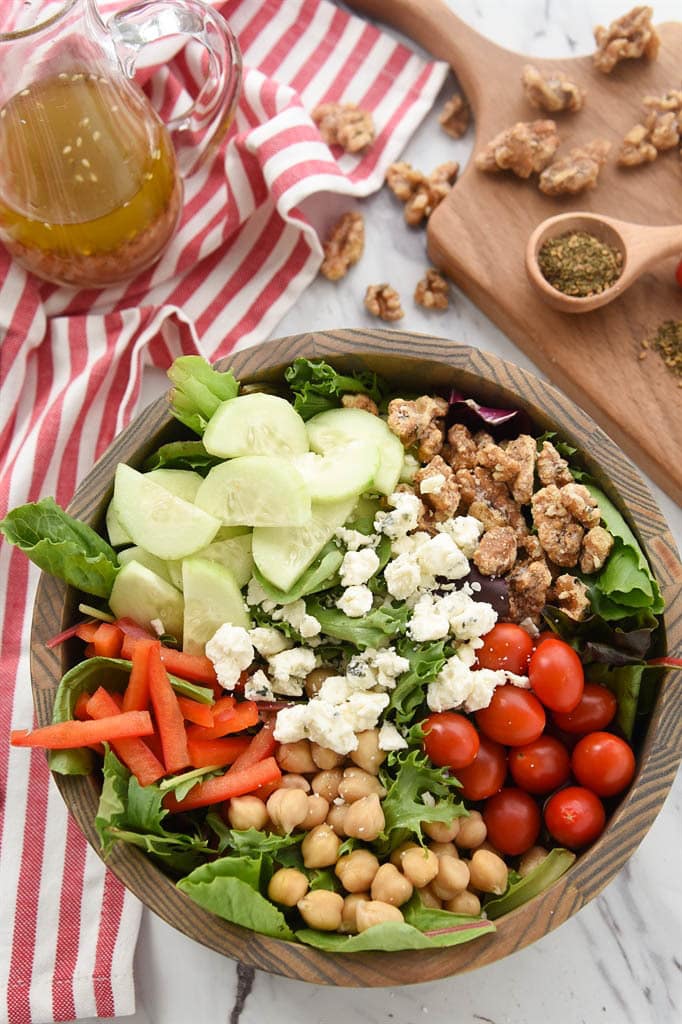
(579,264)
(667,341)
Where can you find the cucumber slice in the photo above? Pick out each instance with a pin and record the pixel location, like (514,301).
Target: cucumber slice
(157,565)
(234,554)
(282,554)
(141,595)
(255,425)
(338,427)
(157,520)
(183,483)
(341,473)
(255,490)
(212,598)
(117,535)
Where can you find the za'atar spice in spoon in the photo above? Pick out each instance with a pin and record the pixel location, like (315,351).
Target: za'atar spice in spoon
(579,264)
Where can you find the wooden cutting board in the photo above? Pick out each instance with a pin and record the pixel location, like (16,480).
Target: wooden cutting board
(478,234)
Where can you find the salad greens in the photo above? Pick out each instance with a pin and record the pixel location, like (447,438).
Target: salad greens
(189,455)
(317,386)
(372,630)
(520,890)
(198,391)
(426,661)
(404,809)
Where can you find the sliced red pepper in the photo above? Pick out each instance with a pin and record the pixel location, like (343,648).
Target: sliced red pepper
(136,696)
(108,640)
(66,735)
(225,787)
(261,746)
(86,631)
(74,630)
(194,667)
(80,710)
(89,651)
(241,716)
(169,721)
(133,752)
(204,753)
(193,711)
(263,792)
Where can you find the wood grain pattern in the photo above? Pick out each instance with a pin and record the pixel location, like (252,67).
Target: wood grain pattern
(429,363)
(479,233)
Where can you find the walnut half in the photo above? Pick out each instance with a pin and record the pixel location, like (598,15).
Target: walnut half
(454,117)
(345,125)
(383,301)
(432,291)
(626,38)
(525,149)
(344,247)
(420,193)
(577,171)
(552,93)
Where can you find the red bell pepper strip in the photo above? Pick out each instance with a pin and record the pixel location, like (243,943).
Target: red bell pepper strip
(261,746)
(80,710)
(241,716)
(232,784)
(194,667)
(108,639)
(192,711)
(169,721)
(86,631)
(89,651)
(74,630)
(204,753)
(66,735)
(133,752)
(136,696)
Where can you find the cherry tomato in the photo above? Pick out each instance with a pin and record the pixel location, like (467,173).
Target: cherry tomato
(487,772)
(547,634)
(513,821)
(514,716)
(595,710)
(574,817)
(603,763)
(678,274)
(556,675)
(506,646)
(451,741)
(541,766)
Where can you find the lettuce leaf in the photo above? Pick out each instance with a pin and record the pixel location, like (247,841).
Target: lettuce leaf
(198,391)
(393,936)
(520,890)
(426,661)
(62,546)
(635,686)
(182,455)
(317,386)
(602,641)
(403,808)
(251,841)
(372,630)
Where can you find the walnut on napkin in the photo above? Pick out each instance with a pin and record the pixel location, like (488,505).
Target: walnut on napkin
(345,125)
(344,246)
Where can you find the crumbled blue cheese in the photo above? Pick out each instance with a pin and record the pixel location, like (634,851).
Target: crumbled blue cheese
(319,722)
(465,531)
(404,517)
(363,709)
(255,593)
(288,670)
(403,576)
(257,687)
(157,626)
(269,641)
(355,601)
(440,556)
(358,567)
(409,543)
(459,686)
(432,484)
(231,652)
(429,619)
(296,615)
(390,738)
(353,540)
(375,669)
(428,799)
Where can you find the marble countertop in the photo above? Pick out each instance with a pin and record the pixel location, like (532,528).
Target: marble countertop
(619,959)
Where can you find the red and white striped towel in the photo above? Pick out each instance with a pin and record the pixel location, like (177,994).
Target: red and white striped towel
(70,372)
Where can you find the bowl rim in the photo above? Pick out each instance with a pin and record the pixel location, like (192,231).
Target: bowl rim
(495,380)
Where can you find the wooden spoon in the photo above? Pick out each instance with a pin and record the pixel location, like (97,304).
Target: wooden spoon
(640,245)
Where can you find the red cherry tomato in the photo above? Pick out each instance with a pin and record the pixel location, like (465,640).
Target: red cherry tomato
(574,817)
(506,646)
(603,763)
(556,675)
(487,772)
(547,634)
(541,766)
(678,274)
(451,741)
(595,710)
(514,716)
(513,821)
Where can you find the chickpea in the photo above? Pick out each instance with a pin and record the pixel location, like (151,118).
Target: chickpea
(320,848)
(420,866)
(367,754)
(349,923)
(321,909)
(441,831)
(296,757)
(390,886)
(292,781)
(375,912)
(396,857)
(318,809)
(429,898)
(487,846)
(357,783)
(444,849)
(356,870)
(287,809)
(325,758)
(488,872)
(287,886)
(452,877)
(314,680)
(365,819)
(337,817)
(247,812)
(327,783)
(472,831)
(464,903)
(532,859)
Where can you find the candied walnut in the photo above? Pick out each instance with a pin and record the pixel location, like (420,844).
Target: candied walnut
(501,464)
(356,401)
(467,486)
(571,596)
(663,129)
(443,498)
(383,301)
(627,38)
(493,504)
(432,291)
(419,422)
(461,447)
(597,544)
(671,100)
(454,117)
(524,149)
(552,468)
(571,174)
(528,585)
(552,93)
(345,125)
(344,246)
(532,546)
(578,501)
(558,533)
(482,439)
(421,193)
(490,517)
(636,148)
(496,551)
(523,450)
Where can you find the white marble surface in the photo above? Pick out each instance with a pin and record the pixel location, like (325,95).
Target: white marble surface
(620,959)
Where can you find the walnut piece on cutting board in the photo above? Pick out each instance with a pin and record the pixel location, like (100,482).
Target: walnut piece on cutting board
(454,117)
(383,301)
(344,246)
(421,193)
(627,38)
(568,175)
(526,148)
(345,125)
(661,129)
(552,93)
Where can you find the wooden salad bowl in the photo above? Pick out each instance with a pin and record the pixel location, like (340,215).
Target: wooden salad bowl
(423,363)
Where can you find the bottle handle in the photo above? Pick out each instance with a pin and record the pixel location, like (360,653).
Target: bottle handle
(199,130)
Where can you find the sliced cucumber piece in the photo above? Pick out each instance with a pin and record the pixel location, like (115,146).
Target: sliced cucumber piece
(183,483)
(255,425)
(117,535)
(227,532)
(157,565)
(338,427)
(157,520)
(341,473)
(283,554)
(141,595)
(212,597)
(234,554)
(255,490)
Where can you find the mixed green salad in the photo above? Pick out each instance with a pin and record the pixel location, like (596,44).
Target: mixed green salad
(362,669)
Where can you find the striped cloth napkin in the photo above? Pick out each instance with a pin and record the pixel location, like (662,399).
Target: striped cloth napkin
(70,372)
